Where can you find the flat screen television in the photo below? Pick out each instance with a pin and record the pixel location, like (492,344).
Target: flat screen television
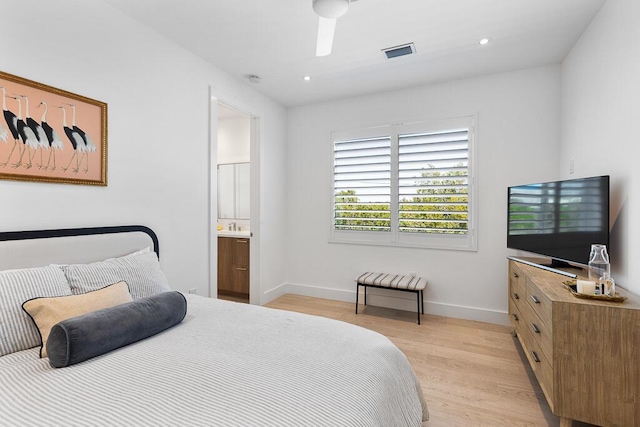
(559,219)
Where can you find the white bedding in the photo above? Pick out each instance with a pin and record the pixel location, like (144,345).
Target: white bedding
(226,364)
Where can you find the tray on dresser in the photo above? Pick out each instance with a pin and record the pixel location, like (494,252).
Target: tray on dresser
(571,286)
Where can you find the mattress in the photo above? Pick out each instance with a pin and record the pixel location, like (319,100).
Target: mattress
(226,364)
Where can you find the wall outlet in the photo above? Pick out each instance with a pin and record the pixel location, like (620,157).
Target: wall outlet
(571,165)
(193,291)
(412,273)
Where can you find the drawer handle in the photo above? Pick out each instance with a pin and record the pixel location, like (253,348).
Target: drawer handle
(535,299)
(535,328)
(241,268)
(515,275)
(516,296)
(242,241)
(515,317)
(535,357)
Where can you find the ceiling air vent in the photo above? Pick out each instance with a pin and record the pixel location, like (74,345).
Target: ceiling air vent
(394,52)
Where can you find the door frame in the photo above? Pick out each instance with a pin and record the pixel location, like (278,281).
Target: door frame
(254,153)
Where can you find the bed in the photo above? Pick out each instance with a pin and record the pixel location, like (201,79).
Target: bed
(224,364)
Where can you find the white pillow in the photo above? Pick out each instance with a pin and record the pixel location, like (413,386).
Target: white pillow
(141,251)
(141,272)
(17,331)
(138,252)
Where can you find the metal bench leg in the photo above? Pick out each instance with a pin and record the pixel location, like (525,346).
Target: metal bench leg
(365,294)
(357,293)
(418,301)
(422,300)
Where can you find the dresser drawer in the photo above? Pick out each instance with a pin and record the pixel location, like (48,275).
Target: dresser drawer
(538,330)
(515,316)
(517,286)
(539,303)
(540,365)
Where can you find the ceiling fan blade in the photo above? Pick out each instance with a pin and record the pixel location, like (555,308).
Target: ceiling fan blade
(326,30)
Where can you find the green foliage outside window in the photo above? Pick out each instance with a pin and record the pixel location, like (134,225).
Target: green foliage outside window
(440,206)
(350,214)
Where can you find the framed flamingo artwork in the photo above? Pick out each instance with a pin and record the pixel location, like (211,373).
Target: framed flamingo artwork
(51,135)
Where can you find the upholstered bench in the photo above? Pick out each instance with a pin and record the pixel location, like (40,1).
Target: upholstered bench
(392,281)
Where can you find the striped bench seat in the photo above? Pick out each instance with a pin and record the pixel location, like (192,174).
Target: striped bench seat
(396,282)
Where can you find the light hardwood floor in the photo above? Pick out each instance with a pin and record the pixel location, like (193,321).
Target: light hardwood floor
(472,373)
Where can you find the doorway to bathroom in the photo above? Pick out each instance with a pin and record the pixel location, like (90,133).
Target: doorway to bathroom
(233,222)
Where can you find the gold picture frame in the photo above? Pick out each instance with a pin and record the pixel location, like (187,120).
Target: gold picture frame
(65,142)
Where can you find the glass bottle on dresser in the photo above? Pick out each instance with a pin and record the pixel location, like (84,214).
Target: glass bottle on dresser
(608,285)
(599,265)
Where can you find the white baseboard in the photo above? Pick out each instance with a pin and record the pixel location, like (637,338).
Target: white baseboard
(393,299)
(274,293)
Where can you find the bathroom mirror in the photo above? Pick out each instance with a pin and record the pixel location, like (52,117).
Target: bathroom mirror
(234,190)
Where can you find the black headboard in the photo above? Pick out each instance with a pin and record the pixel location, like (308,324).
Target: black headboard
(59,250)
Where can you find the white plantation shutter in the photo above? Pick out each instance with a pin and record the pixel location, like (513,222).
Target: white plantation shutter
(433,181)
(405,185)
(362,184)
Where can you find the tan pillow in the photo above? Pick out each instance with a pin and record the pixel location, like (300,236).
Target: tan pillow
(46,312)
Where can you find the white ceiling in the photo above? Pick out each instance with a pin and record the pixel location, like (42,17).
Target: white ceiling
(275,39)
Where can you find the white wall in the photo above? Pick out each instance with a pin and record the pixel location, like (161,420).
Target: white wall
(234,138)
(158,97)
(519,132)
(600,113)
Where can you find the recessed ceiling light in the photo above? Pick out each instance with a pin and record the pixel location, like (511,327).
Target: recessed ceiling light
(485,41)
(252,78)
(306,78)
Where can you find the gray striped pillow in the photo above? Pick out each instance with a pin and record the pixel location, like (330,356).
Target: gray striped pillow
(17,331)
(141,272)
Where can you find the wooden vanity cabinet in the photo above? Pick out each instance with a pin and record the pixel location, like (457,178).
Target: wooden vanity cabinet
(585,353)
(233,266)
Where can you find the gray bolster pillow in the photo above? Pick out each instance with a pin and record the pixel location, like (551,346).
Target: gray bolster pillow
(80,338)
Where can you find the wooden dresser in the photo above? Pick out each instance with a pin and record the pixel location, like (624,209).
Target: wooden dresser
(584,353)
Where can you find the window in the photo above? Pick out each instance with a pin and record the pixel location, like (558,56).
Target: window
(362,184)
(405,185)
